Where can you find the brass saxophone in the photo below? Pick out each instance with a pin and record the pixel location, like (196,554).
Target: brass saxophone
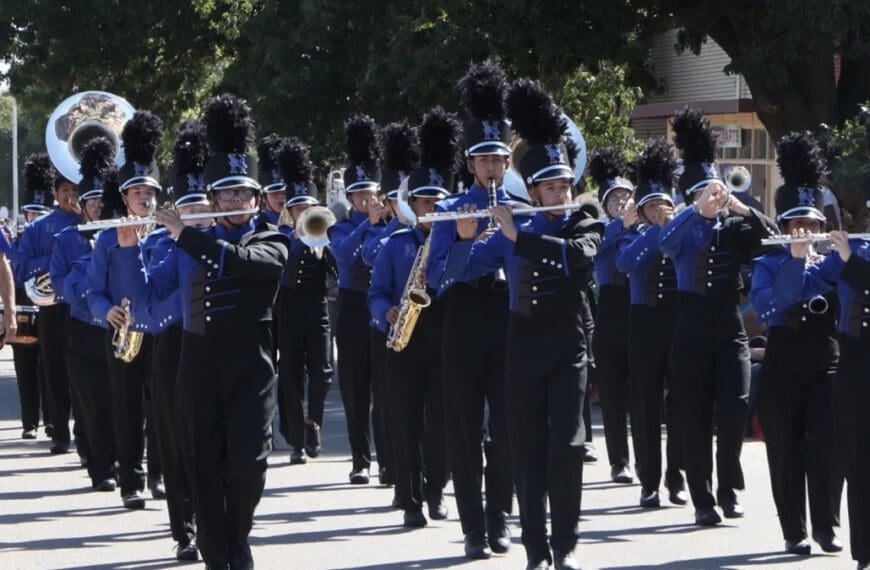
(414,299)
(127,343)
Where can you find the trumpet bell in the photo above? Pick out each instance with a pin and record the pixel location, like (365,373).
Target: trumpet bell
(313,225)
(738,179)
(78,120)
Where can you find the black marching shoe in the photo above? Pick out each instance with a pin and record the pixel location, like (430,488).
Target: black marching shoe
(359,477)
(157,487)
(535,564)
(134,500)
(828,541)
(733,510)
(106,485)
(312,438)
(649,499)
(414,518)
(476,548)
(678,496)
(28,434)
(297,457)
(59,447)
(589,455)
(437,508)
(707,517)
(384,477)
(864,565)
(800,547)
(186,553)
(565,561)
(620,474)
(499,533)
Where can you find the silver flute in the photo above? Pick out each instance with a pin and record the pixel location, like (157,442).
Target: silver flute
(447,216)
(815,238)
(123,223)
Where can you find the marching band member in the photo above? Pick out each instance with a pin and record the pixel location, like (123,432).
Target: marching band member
(189,155)
(654,310)
(611,325)
(347,237)
(271,183)
(475,325)
(33,393)
(548,260)
(413,390)
(86,354)
(400,156)
(31,260)
(794,396)
(707,242)
(136,196)
(303,330)
(228,277)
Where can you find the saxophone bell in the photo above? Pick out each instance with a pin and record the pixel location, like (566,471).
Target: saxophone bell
(126,342)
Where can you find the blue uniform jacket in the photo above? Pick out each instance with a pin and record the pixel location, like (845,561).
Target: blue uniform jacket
(75,292)
(851,279)
(639,254)
(377,239)
(538,265)
(392,267)
(70,245)
(227,279)
(605,261)
(707,254)
(444,234)
(347,239)
(33,253)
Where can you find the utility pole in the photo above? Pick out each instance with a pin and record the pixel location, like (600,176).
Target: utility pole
(14,212)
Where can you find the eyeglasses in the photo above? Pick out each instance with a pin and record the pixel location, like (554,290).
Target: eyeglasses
(229,193)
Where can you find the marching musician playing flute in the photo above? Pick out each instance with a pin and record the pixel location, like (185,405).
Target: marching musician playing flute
(548,260)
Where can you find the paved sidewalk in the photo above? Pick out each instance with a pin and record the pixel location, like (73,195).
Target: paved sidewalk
(311,518)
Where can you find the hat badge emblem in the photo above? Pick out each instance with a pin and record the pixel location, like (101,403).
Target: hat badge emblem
(238,165)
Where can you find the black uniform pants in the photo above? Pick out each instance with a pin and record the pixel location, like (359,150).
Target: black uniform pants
(383,428)
(164,373)
(128,400)
(415,407)
(649,347)
(796,412)
(355,372)
(52,348)
(29,377)
(851,394)
(710,365)
(224,406)
(545,421)
(92,393)
(611,360)
(473,365)
(303,343)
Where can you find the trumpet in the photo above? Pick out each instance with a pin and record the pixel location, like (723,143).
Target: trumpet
(738,179)
(453,216)
(145,220)
(785,239)
(313,225)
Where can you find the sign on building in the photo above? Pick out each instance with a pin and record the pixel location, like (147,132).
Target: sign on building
(728,136)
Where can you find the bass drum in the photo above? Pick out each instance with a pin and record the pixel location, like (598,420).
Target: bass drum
(27,317)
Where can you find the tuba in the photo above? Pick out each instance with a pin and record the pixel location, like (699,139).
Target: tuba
(78,120)
(313,225)
(414,299)
(39,290)
(126,342)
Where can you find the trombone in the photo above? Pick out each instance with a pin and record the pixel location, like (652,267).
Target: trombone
(145,220)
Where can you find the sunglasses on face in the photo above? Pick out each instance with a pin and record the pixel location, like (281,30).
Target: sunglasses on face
(230,193)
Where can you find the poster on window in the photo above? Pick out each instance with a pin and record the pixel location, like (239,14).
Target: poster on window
(728,136)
